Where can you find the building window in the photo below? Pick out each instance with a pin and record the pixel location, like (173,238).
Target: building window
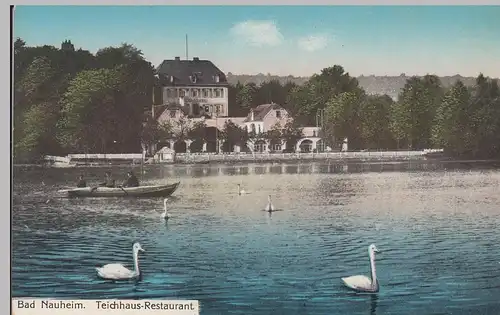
(253,128)
(218,93)
(205,92)
(216,78)
(277,147)
(314,133)
(259,129)
(217,109)
(206,108)
(172,113)
(278,114)
(195,92)
(221,92)
(182,93)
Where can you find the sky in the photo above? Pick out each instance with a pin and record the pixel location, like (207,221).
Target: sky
(284,40)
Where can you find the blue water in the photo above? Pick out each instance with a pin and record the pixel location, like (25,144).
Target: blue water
(437,230)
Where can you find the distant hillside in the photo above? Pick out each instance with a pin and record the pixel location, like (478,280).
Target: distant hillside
(371,84)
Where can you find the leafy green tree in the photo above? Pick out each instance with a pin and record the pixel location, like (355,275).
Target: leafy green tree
(37,139)
(136,87)
(451,124)
(274,135)
(233,135)
(271,91)
(291,133)
(182,128)
(234,100)
(248,97)
(40,88)
(484,123)
(198,133)
(90,117)
(343,119)
(413,115)
(306,100)
(375,115)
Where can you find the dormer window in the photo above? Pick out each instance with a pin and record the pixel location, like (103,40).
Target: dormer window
(216,78)
(171,79)
(193,78)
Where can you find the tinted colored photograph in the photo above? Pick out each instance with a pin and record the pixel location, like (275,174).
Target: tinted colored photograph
(262,160)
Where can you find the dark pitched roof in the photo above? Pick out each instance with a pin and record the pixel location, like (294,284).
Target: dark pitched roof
(261,111)
(182,72)
(160,109)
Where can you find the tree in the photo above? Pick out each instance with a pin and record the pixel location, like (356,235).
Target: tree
(306,100)
(374,115)
(248,97)
(38,138)
(274,135)
(234,100)
(412,116)
(136,86)
(90,114)
(271,91)
(343,119)
(182,128)
(233,135)
(154,132)
(39,90)
(484,113)
(451,125)
(291,133)
(198,133)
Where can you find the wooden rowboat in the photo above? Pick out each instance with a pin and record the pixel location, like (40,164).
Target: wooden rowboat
(137,192)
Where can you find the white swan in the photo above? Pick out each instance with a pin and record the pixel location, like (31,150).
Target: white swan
(165,214)
(241,191)
(269,206)
(363,283)
(118,271)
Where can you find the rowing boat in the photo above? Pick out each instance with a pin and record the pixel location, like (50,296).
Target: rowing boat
(141,191)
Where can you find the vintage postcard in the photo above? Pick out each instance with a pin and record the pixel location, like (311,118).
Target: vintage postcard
(216,159)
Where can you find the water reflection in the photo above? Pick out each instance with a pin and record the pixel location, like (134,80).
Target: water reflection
(373,304)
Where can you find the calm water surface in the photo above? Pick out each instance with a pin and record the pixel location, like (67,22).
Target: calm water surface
(438,232)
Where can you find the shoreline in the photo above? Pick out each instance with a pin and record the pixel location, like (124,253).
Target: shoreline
(414,159)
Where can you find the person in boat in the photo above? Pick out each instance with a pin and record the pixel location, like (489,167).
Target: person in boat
(81,182)
(131,180)
(109,182)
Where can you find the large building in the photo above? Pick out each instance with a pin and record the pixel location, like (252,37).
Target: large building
(197,86)
(196,91)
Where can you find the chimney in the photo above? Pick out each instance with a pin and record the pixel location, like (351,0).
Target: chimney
(196,59)
(177,58)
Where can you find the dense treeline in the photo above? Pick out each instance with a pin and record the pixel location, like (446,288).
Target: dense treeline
(68,100)
(372,84)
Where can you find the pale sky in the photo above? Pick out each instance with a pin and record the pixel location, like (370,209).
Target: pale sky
(284,40)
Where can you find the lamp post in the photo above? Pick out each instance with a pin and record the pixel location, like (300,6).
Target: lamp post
(216,132)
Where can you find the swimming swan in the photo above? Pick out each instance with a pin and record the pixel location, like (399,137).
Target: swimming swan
(363,283)
(269,206)
(241,191)
(165,214)
(118,271)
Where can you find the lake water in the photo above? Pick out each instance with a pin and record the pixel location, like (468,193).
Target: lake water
(437,230)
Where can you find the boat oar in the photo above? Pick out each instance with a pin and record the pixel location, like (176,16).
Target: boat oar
(126,193)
